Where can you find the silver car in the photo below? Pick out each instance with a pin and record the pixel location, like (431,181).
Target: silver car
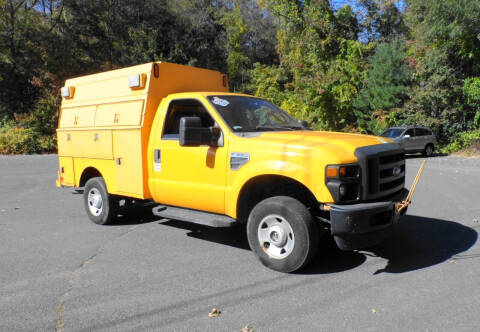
(413,138)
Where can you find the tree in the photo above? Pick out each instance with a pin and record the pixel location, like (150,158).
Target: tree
(381,20)
(446,50)
(20,59)
(321,66)
(386,85)
(237,62)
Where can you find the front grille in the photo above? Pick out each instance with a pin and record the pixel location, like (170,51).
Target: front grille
(392,158)
(383,170)
(392,184)
(386,174)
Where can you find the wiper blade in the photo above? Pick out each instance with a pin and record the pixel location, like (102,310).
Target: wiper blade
(258,128)
(293,127)
(269,128)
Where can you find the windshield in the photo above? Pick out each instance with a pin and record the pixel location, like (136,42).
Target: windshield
(245,114)
(392,132)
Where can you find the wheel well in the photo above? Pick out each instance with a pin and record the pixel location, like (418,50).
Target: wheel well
(87,174)
(265,186)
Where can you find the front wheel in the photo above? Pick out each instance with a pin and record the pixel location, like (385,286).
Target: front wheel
(282,234)
(100,206)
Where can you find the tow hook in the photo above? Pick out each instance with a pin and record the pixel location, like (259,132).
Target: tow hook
(402,205)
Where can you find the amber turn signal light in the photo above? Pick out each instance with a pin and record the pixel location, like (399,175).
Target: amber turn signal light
(332,172)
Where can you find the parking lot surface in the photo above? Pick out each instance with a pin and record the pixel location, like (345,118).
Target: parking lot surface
(60,271)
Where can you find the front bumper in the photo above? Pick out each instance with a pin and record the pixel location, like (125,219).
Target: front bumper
(356,226)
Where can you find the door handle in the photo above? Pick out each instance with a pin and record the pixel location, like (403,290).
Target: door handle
(157,156)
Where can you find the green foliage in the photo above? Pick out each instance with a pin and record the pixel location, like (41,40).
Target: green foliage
(17,140)
(237,62)
(471,91)
(347,23)
(364,68)
(446,52)
(464,141)
(381,20)
(385,87)
(44,118)
(321,68)
(20,57)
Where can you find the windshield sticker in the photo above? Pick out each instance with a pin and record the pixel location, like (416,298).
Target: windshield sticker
(219,101)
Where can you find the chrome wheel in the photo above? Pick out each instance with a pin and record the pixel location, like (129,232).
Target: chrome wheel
(95,202)
(275,236)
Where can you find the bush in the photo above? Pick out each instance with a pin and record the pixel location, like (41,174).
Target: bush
(464,141)
(32,132)
(17,140)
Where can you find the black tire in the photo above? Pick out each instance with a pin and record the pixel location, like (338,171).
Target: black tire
(428,151)
(100,212)
(303,228)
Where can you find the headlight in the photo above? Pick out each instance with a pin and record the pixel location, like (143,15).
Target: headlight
(343,182)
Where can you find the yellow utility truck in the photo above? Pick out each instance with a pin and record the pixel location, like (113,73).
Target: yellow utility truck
(173,135)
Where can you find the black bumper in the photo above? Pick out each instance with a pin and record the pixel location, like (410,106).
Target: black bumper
(363,225)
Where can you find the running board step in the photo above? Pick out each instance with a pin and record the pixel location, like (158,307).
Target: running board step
(193,216)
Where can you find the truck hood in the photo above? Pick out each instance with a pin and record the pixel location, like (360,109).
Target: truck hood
(328,142)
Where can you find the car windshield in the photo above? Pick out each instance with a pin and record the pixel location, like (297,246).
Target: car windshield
(394,132)
(246,114)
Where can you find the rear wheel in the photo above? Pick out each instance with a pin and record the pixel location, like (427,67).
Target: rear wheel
(282,234)
(428,150)
(100,206)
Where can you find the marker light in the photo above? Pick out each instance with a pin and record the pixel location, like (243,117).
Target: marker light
(137,81)
(67,92)
(347,171)
(332,172)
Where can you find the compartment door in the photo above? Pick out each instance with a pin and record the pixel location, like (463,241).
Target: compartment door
(127,146)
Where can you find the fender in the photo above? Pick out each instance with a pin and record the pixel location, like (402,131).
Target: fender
(80,165)
(286,169)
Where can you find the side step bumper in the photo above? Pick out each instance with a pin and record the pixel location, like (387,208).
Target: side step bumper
(193,216)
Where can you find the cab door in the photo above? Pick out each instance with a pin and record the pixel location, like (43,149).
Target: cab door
(190,177)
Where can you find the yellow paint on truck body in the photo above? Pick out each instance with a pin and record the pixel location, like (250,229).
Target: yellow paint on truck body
(118,131)
(106,124)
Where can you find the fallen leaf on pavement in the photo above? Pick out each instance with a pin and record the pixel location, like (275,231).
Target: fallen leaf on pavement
(214,313)
(374,311)
(247,329)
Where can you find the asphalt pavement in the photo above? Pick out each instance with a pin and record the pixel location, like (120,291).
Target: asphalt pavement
(59,271)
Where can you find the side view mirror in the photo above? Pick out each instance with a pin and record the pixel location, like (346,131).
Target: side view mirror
(406,136)
(193,134)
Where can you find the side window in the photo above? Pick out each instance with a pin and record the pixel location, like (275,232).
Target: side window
(426,132)
(180,108)
(419,132)
(410,132)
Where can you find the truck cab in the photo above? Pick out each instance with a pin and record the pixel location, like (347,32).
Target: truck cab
(205,155)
